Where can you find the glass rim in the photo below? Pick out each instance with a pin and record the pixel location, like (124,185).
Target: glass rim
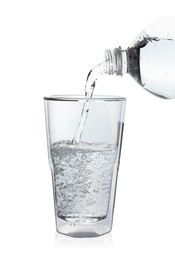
(83,98)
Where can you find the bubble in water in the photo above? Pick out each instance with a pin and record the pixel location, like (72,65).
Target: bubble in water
(82,185)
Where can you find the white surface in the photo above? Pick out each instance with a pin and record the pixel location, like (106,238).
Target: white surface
(48,47)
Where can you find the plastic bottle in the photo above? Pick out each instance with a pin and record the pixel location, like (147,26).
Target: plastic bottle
(150,60)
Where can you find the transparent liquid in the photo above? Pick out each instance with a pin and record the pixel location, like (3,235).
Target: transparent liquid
(82,179)
(151,62)
(93,75)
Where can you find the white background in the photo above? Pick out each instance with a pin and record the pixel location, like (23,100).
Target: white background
(48,47)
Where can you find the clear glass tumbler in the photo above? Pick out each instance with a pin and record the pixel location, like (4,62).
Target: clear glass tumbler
(84,174)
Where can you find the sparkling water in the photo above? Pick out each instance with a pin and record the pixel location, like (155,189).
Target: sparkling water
(82,179)
(93,75)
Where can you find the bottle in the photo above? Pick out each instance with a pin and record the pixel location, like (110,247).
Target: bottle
(150,59)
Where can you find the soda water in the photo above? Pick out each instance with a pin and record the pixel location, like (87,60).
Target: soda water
(83,171)
(82,179)
(92,77)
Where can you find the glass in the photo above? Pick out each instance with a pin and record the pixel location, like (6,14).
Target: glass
(84,174)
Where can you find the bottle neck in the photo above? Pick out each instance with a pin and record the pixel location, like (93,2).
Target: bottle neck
(116,61)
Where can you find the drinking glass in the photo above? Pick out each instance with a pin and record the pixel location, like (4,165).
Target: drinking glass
(84,172)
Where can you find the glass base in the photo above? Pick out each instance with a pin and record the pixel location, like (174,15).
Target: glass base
(82,227)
